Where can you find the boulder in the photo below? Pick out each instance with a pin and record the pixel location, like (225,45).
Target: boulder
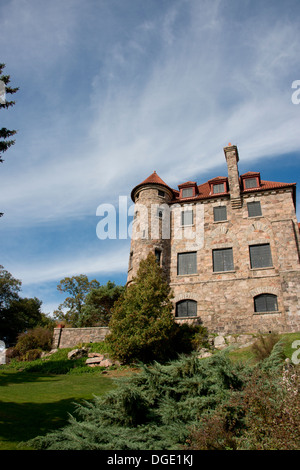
(77,353)
(219,342)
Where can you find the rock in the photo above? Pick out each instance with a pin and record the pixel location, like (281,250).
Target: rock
(204,353)
(96,355)
(77,353)
(219,342)
(101,360)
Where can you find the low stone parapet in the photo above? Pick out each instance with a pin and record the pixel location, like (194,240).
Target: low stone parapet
(70,337)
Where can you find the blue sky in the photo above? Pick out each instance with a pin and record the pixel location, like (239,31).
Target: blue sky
(111,90)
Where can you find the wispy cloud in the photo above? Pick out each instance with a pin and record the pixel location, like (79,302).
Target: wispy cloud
(110,91)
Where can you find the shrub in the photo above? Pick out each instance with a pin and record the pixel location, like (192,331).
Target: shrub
(142,324)
(36,339)
(263,346)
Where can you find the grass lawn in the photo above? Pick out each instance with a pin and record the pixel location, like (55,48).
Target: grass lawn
(33,404)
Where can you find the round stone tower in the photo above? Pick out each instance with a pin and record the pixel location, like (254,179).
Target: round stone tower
(151,228)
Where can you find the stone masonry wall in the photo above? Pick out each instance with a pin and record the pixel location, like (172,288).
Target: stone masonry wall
(70,337)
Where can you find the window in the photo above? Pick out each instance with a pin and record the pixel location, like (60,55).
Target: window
(187,263)
(220,213)
(260,256)
(223,260)
(187,217)
(254,209)
(187,192)
(218,188)
(158,255)
(186,308)
(161,193)
(130,259)
(265,303)
(250,183)
(160,213)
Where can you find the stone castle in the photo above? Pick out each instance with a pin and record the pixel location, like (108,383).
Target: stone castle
(229,248)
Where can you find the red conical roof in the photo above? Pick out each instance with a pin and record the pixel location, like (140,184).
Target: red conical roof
(152,179)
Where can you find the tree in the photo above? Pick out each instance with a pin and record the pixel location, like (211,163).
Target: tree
(4,104)
(78,287)
(17,314)
(99,302)
(5,134)
(142,324)
(9,288)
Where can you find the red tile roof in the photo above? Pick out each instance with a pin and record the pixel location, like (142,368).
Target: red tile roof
(152,179)
(204,190)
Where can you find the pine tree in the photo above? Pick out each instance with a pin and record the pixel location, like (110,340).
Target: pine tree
(5,134)
(142,324)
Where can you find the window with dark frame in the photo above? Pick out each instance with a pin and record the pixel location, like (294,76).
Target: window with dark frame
(187,263)
(158,255)
(160,213)
(186,308)
(218,188)
(250,183)
(187,217)
(254,209)
(161,193)
(223,260)
(220,213)
(260,256)
(265,303)
(187,192)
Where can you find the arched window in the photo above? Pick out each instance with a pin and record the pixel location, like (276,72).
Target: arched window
(265,303)
(186,308)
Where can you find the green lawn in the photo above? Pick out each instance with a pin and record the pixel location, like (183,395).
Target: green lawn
(32,404)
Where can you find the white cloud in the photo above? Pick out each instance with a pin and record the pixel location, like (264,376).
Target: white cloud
(109,261)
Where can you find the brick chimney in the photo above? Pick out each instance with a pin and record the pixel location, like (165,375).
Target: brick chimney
(232,158)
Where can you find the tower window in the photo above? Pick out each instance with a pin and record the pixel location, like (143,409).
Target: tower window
(158,256)
(265,303)
(161,193)
(186,308)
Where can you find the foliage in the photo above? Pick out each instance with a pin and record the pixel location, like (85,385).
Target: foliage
(99,302)
(150,410)
(37,339)
(9,288)
(264,416)
(17,314)
(263,346)
(78,287)
(6,134)
(142,325)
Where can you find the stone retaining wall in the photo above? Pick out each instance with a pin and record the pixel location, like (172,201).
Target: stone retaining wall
(71,337)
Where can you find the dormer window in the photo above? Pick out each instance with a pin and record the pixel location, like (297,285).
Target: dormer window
(250,183)
(251,180)
(188,189)
(188,192)
(218,185)
(219,188)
